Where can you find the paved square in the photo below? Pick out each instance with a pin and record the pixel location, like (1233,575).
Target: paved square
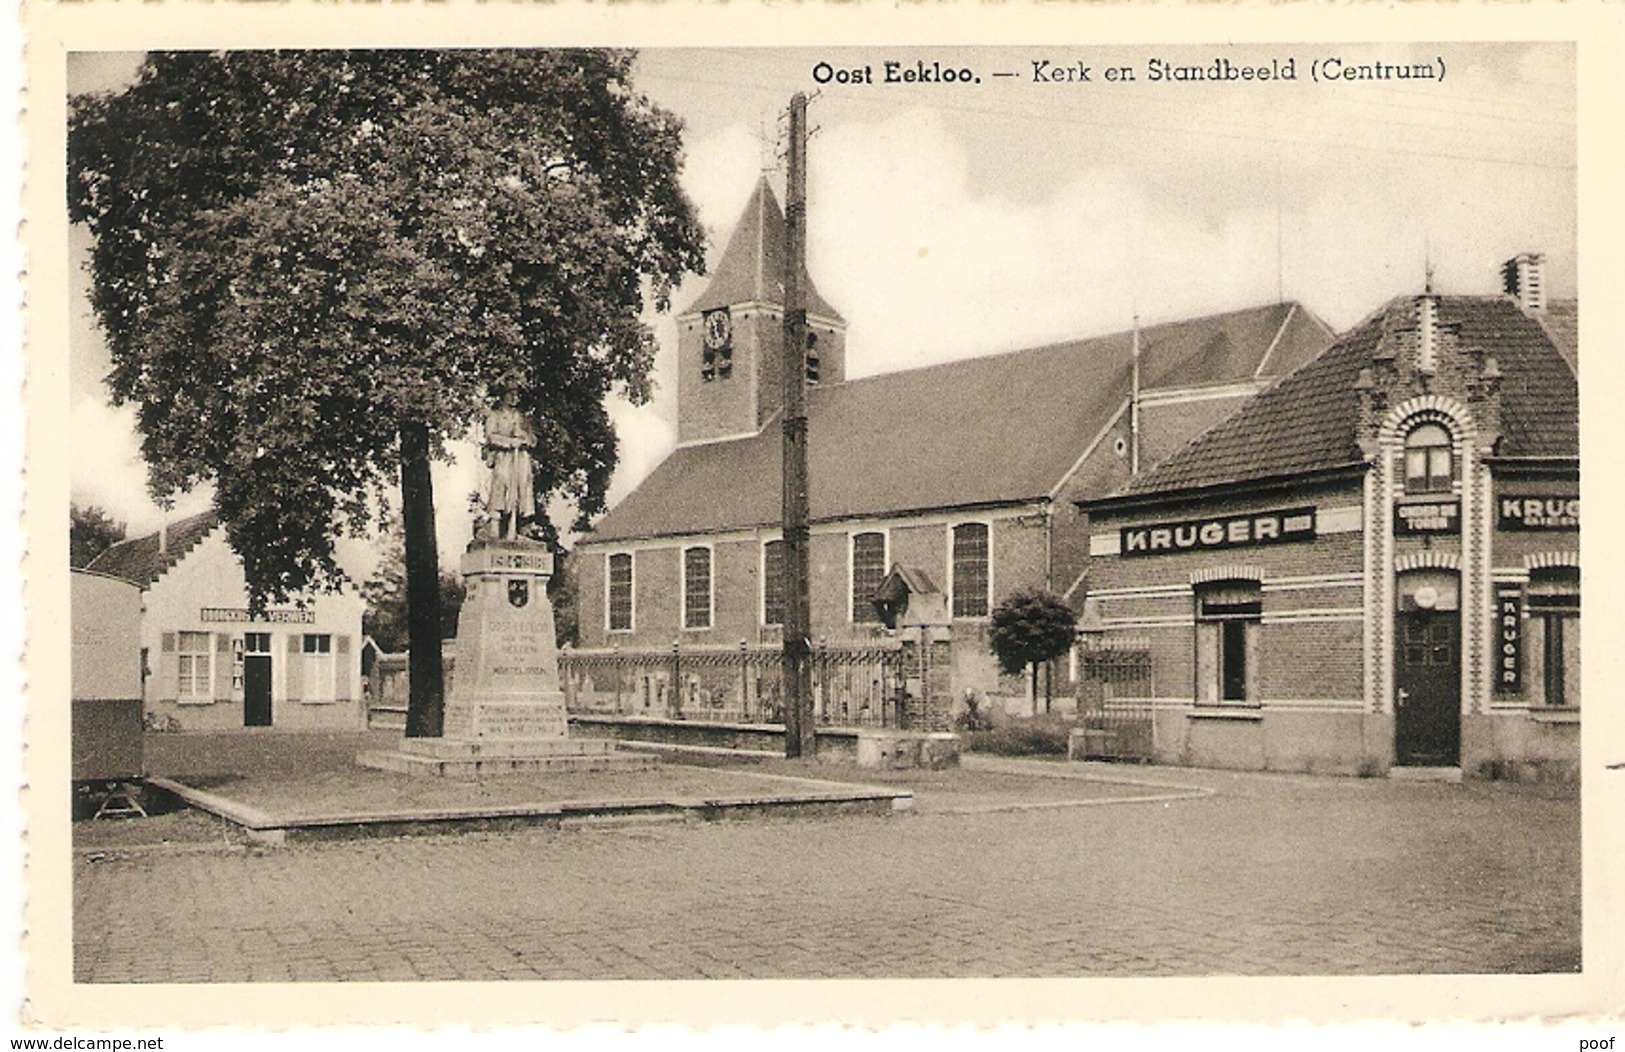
(1268,875)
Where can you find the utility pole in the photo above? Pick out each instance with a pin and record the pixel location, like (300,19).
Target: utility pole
(1134,402)
(799,737)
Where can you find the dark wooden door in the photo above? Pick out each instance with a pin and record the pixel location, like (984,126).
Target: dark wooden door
(1427,706)
(256,690)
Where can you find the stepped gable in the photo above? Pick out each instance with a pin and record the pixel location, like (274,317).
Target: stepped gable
(1308,421)
(981,431)
(752,266)
(139,560)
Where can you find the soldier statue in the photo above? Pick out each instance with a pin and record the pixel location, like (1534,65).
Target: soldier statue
(510,500)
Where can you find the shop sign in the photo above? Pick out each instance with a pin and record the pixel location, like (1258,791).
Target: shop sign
(1227,531)
(1534,512)
(224,613)
(1434,516)
(1508,639)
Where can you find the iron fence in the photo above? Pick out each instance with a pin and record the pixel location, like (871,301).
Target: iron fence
(853,685)
(1115,687)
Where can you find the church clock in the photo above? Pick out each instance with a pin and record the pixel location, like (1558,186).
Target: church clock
(719,330)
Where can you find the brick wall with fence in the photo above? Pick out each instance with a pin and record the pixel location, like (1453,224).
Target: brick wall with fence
(865,685)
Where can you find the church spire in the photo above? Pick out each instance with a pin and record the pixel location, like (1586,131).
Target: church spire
(752,264)
(731,338)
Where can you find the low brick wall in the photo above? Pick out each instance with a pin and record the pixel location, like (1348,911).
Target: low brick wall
(765,737)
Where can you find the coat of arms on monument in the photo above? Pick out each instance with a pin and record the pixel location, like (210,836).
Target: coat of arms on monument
(518,592)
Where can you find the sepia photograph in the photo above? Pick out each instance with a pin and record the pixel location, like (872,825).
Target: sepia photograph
(561,514)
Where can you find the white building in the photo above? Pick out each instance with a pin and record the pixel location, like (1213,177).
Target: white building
(207,666)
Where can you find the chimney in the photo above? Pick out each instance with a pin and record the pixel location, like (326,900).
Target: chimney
(1521,279)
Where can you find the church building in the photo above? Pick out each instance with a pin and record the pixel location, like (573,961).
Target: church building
(1374,566)
(966,475)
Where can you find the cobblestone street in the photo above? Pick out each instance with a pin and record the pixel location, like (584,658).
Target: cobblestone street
(1270,875)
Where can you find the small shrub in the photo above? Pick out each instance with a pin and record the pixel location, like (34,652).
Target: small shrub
(1031,737)
(973,718)
(159,723)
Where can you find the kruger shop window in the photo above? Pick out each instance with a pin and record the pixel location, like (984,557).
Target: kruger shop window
(1227,620)
(1554,618)
(1429,464)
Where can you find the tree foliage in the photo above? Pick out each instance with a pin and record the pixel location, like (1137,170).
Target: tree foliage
(91,531)
(1030,627)
(298,253)
(385,618)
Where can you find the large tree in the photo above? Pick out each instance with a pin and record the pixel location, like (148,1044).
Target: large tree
(312,267)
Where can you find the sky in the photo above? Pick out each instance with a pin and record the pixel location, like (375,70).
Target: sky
(947,220)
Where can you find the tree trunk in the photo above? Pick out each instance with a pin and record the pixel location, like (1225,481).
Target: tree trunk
(425,707)
(1034,666)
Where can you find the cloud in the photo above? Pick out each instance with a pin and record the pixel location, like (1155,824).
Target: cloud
(109,472)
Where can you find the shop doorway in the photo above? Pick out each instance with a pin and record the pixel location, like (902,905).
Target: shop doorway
(257,679)
(1427,675)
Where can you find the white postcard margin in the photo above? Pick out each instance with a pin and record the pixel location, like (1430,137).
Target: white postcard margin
(54,1000)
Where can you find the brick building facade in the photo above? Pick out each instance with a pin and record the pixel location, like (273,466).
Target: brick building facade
(966,473)
(1373,565)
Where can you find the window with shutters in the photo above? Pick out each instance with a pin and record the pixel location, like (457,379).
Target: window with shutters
(1228,614)
(319,669)
(697,587)
(773,583)
(619,606)
(868,570)
(970,573)
(194,667)
(1554,614)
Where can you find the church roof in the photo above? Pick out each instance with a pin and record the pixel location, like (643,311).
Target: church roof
(999,429)
(1307,422)
(139,561)
(752,266)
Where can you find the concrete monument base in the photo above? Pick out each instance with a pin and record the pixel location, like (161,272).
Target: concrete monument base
(505,713)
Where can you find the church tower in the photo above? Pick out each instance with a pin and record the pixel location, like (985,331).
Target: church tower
(729,383)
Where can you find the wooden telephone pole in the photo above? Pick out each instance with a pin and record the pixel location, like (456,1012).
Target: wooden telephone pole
(799,737)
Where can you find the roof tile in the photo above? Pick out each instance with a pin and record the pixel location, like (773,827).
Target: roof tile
(1308,420)
(997,429)
(139,561)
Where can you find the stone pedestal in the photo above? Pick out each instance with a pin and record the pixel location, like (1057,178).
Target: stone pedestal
(505,712)
(900,750)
